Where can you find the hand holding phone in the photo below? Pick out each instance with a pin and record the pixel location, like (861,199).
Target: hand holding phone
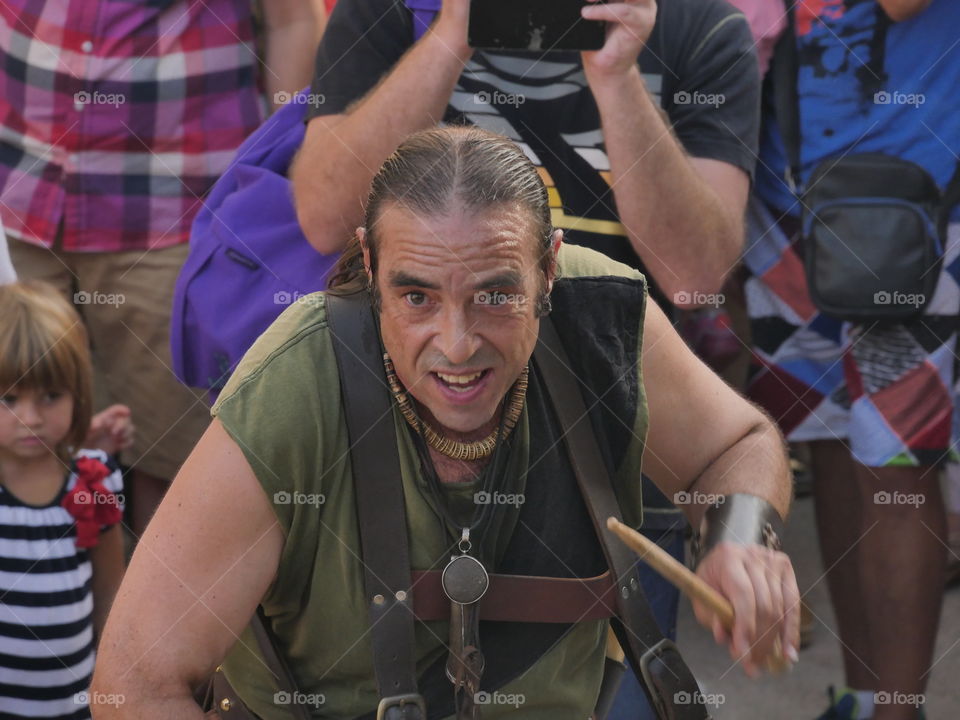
(629,25)
(539,25)
(451,26)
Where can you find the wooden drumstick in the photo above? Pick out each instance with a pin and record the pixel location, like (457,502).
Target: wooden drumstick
(688,583)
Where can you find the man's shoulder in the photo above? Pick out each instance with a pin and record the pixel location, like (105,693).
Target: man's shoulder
(685,17)
(579,261)
(685,27)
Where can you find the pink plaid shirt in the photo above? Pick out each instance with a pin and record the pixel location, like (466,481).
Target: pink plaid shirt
(116,116)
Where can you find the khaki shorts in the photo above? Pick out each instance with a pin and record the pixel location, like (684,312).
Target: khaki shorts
(125,300)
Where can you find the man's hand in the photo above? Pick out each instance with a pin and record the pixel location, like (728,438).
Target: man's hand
(760,585)
(629,25)
(111,430)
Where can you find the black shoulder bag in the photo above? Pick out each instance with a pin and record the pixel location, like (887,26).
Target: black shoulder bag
(873,225)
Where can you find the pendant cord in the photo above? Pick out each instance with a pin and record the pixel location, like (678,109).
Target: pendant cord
(482,514)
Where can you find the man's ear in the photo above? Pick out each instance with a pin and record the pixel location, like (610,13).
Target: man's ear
(555,242)
(362,239)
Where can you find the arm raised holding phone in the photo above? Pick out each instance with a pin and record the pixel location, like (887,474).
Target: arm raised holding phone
(683,215)
(341,152)
(680,184)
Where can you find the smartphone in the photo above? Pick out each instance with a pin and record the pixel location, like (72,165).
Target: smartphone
(533,25)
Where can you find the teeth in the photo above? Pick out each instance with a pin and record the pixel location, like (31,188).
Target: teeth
(459,379)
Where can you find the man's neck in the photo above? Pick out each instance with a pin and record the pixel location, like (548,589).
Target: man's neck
(467,437)
(450,470)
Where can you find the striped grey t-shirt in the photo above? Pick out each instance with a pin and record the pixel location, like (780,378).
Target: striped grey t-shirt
(46,604)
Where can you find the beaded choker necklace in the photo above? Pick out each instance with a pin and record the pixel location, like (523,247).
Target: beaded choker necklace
(454,448)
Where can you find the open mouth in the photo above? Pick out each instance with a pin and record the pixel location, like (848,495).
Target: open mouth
(461,383)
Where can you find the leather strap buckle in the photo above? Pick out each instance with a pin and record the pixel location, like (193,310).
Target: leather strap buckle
(673,677)
(652,653)
(402,707)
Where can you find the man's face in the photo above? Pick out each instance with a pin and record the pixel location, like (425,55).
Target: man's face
(458,314)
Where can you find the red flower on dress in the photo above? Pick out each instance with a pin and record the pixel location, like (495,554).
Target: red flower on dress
(90,502)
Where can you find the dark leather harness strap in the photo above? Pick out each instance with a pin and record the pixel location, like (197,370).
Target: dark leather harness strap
(278,666)
(661,670)
(523,598)
(380,505)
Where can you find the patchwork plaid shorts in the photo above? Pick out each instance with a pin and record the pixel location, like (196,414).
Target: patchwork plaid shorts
(888,390)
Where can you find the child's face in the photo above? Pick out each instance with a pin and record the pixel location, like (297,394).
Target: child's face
(33,422)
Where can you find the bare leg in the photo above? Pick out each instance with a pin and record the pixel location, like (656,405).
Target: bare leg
(839,526)
(886,562)
(902,562)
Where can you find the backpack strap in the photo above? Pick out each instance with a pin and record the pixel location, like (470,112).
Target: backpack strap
(783,75)
(424,11)
(380,507)
(661,670)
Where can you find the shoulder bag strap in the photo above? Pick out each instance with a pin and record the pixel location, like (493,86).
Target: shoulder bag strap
(783,75)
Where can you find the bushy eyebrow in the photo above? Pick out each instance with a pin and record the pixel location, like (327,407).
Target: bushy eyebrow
(506,279)
(399,278)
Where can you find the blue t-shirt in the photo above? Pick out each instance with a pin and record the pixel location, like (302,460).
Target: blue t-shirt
(868,84)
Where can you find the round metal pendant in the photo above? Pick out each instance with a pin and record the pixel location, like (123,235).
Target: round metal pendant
(464,579)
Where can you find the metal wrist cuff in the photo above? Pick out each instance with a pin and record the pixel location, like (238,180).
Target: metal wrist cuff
(738,518)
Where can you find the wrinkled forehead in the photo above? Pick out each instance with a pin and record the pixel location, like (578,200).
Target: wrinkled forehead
(504,233)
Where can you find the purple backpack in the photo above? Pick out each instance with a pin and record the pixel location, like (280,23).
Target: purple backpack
(248,257)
